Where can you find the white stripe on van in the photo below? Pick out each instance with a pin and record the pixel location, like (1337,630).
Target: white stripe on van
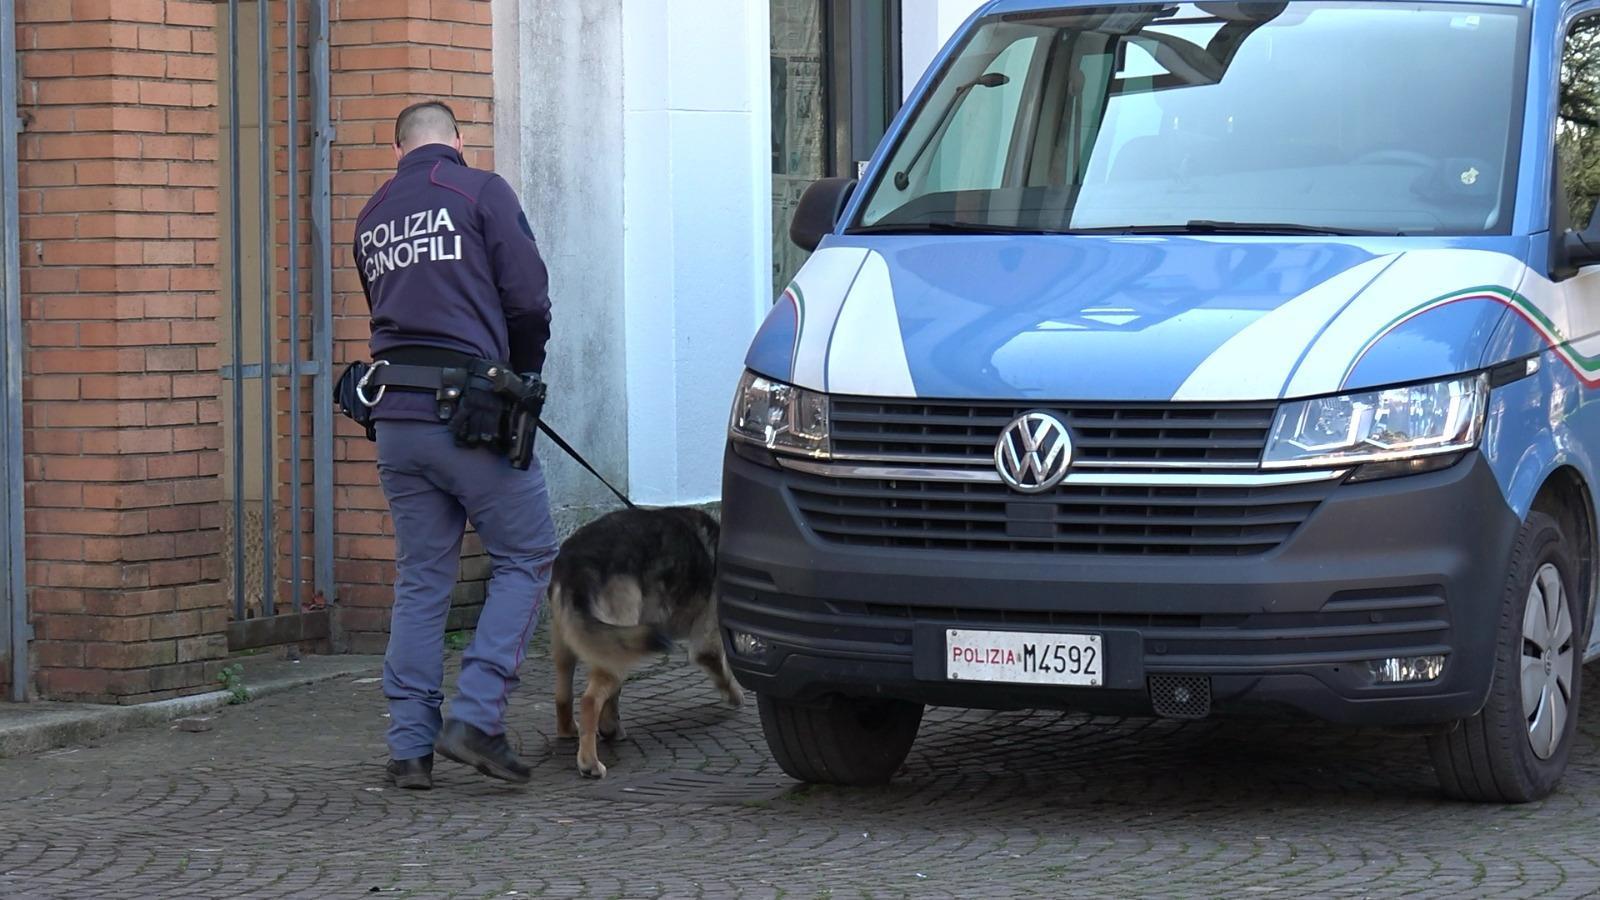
(825,282)
(1257,362)
(1414,278)
(868,356)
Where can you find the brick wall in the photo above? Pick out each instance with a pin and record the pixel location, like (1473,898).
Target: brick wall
(123,307)
(387,54)
(118,196)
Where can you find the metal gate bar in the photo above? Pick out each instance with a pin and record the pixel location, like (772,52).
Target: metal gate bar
(12,554)
(268,306)
(293,144)
(236,295)
(322,300)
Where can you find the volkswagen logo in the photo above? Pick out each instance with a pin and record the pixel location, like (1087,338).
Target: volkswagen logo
(1033,453)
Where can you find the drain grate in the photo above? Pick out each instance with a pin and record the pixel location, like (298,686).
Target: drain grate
(699,788)
(1181,696)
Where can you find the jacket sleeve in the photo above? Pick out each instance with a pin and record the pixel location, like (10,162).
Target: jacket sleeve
(519,274)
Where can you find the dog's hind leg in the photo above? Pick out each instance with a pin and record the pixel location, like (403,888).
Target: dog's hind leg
(602,686)
(611,718)
(565,662)
(709,655)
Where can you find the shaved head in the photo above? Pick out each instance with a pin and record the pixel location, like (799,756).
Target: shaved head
(421,124)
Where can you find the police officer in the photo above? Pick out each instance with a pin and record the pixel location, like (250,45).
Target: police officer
(453,278)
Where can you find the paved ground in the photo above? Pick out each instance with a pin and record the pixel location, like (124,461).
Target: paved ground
(284,797)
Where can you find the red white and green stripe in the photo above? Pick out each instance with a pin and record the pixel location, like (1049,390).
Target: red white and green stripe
(1587,368)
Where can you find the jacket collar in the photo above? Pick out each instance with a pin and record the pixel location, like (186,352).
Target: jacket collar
(429,154)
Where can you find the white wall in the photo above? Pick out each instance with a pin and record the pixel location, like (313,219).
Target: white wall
(638,135)
(925,26)
(697,241)
(558,141)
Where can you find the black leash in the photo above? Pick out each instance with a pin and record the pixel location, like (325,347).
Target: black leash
(562,443)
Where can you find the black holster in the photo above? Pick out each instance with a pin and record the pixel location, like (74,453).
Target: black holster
(522,426)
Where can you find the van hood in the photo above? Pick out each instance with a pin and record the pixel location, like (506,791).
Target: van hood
(1130,319)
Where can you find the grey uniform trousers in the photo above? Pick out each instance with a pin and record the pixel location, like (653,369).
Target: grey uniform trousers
(435,488)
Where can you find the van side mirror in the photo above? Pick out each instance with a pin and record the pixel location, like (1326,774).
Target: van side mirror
(819,211)
(1582,248)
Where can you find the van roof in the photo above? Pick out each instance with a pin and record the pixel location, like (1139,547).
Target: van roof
(1013,6)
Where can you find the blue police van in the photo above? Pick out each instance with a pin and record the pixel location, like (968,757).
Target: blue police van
(1191,359)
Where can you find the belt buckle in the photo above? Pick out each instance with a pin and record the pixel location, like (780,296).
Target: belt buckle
(361,386)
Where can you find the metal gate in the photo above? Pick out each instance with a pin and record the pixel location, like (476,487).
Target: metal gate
(281,315)
(14,628)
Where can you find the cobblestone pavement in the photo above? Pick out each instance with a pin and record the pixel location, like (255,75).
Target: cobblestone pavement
(285,797)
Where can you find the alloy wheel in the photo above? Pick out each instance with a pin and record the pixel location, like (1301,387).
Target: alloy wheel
(1547,671)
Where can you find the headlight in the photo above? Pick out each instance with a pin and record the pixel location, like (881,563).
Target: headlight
(780,416)
(1377,426)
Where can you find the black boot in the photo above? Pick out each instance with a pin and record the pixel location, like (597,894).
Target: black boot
(488,753)
(411,774)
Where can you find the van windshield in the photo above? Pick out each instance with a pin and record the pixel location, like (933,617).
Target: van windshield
(1271,118)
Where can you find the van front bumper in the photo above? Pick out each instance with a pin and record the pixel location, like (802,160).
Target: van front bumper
(1407,567)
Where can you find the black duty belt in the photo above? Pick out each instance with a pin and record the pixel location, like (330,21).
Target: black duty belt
(444,373)
(440,372)
(422,378)
(442,382)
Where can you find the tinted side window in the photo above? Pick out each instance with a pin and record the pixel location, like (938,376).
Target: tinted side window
(1578,129)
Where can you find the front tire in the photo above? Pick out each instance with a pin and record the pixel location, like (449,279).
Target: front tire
(1515,749)
(849,741)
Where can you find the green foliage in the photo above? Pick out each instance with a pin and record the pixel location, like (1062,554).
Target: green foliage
(232,680)
(1578,131)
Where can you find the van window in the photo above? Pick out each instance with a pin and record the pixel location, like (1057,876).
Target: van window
(954,166)
(1578,128)
(1315,115)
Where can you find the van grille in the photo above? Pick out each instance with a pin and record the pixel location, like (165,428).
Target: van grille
(1140,520)
(1124,437)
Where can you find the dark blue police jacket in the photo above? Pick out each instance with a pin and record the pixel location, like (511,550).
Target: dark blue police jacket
(448,260)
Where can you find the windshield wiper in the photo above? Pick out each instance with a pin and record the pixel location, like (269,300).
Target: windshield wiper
(902,178)
(953,227)
(1212,226)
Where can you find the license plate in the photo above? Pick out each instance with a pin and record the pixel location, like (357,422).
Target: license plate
(1018,657)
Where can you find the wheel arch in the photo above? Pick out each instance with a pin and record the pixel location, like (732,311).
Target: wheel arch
(1566,497)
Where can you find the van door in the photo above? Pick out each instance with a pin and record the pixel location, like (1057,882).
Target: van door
(1577,161)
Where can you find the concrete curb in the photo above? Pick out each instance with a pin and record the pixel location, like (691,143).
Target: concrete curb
(34,728)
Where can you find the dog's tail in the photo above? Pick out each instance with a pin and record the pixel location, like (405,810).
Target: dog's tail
(640,639)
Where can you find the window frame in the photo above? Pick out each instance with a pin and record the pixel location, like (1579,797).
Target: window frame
(848,101)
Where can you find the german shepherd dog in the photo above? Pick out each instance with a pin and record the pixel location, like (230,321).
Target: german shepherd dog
(626,587)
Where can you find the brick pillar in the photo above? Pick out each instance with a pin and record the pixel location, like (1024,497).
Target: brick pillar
(386,55)
(118,197)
